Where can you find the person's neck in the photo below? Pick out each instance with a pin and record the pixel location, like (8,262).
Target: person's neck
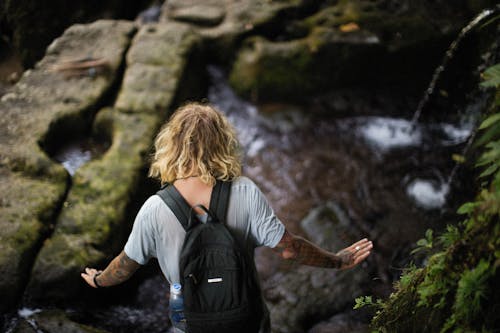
(194,190)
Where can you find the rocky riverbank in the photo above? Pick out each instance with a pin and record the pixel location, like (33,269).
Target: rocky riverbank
(116,82)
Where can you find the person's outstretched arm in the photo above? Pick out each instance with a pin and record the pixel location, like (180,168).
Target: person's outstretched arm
(293,247)
(119,270)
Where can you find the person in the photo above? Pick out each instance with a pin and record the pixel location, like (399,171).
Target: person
(196,147)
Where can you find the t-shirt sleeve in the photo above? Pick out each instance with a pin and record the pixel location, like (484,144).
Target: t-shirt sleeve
(140,246)
(266,228)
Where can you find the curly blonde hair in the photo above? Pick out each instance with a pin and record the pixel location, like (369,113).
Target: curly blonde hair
(199,141)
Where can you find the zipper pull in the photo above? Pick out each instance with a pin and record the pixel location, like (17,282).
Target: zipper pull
(193,277)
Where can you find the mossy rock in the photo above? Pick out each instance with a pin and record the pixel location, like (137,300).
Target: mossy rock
(34,25)
(267,70)
(45,102)
(36,115)
(347,44)
(156,64)
(94,219)
(27,209)
(53,321)
(329,227)
(229,21)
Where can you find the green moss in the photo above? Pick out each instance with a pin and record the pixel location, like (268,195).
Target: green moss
(27,209)
(155,65)
(93,220)
(349,43)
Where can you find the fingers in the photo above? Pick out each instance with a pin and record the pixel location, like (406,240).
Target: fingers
(362,257)
(360,247)
(88,276)
(91,271)
(366,246)
(361,243)
(360,251)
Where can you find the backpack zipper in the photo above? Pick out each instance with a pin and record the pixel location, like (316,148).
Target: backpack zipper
(193,277)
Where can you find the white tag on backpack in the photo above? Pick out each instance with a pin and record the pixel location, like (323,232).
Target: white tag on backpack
(214,280)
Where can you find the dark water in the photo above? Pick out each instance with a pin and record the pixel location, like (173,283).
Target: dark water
(75,153)
(392,177)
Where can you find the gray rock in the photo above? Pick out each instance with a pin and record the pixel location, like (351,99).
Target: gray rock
(93,220)
(44,108)
(298,295)
(343,44)
(156,64)
(341,323)
(237,18)
(329,227)
(199,14)
(53,321)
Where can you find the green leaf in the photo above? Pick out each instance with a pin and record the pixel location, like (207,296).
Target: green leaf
(490,121)
(493,145)
(428,235)
(491,76)
(363,301)
(467,208)
(489,171)
(489,135)
(491,156)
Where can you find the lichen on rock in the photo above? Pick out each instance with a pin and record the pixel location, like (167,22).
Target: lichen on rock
(345,43)
(93,219)
(155,63)
(34,119)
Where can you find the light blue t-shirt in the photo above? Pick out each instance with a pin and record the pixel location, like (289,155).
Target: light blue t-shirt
(158,234)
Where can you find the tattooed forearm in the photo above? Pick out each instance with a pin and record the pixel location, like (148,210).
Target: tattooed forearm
(119,270)
(304,252)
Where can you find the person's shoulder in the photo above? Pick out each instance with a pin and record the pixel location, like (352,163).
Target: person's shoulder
(245,189)
(153,205)
(243,182)
(154,201)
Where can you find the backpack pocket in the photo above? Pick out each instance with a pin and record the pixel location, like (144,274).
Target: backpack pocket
(217,287)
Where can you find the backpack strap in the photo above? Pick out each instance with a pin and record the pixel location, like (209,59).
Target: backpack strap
(176,202)
(219,201)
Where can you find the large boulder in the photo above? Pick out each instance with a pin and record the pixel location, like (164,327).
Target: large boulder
(44,107)
(305,294)
(97,214)
(157,66)
(93,218)
(349,44)
(223,24)
(33,25)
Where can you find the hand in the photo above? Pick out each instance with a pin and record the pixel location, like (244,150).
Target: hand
(354,254)
(89,275)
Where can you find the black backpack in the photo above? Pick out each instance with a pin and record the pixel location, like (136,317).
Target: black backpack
(219,280)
